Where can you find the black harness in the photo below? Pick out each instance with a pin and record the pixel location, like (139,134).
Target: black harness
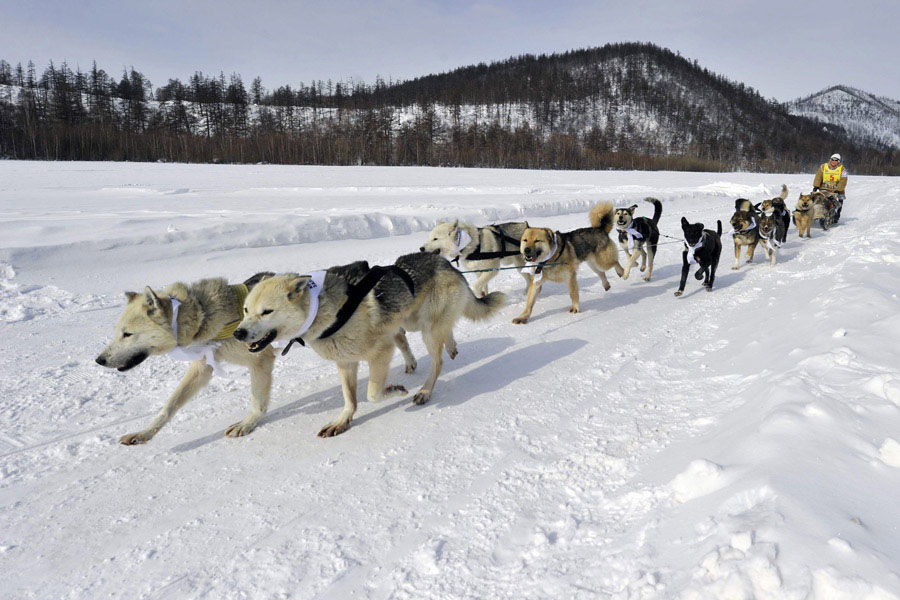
(355,295)
(477,254)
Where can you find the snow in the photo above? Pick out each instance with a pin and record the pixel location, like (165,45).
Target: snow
(736,444)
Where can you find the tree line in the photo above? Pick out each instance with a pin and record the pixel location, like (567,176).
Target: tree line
(622,106)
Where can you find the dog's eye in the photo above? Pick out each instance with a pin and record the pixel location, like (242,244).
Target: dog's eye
(125,334)
(268,311)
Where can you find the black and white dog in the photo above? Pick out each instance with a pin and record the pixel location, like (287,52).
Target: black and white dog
(637,233)
(703,246)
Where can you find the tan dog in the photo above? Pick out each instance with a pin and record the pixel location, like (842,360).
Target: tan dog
(590,244)
(803,214)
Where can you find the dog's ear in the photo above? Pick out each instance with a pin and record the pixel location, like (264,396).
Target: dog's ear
(684,222)
(455,224)
(129,296)
(550,233)
(152,298)
(527,225)
(757,205)
(297,285)
(632,207)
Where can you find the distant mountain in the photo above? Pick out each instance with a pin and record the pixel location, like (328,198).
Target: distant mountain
(868,119)
(628,105)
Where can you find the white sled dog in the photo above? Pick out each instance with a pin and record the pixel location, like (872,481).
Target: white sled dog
(351,322)
(480,248)
(193,321)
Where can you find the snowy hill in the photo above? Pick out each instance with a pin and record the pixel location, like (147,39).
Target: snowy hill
(868,119)
(743,443)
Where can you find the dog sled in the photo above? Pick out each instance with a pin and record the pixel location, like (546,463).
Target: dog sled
(825,208)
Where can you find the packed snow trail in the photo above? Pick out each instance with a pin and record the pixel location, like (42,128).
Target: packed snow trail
(739,443)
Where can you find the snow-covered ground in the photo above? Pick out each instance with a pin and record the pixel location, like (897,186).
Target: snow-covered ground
(738,444)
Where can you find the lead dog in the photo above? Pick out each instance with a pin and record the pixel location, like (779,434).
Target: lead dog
(189,318)
(589,244)
(480,248)
(745,229)
(703,246)
(349,323)
(635,234)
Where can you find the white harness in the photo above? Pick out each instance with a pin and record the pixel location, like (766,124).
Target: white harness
(314,285)
(194,352)
(692,249)
(771,243)
(733,232)
(462,240)
(538,275)
(632,233)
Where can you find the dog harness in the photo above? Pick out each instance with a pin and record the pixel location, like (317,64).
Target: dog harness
(355,295)
(477,254)
(462,240)
(733,232)
(206,350)
(771,243)
(633,233)
(694,248)
(539,265)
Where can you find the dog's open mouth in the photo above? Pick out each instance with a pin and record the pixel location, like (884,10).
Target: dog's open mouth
(264,341)
(133,361)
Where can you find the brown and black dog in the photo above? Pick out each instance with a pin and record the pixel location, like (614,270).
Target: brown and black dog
(590,244)
(775,206)
(745,229)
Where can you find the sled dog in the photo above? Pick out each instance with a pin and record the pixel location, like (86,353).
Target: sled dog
(183,319)
(777,207)
(635,234)
(745,230)
(349,323)
(703,246)
(803,214)
(771,234)
(589,244)
(479,248)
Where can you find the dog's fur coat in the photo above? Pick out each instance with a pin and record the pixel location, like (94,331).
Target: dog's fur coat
(803,214)
(777,207)
(489,239)
(706,256)
(771,234)
(647,228)
(277,307)
(145,329)
(590,244)
(745,225)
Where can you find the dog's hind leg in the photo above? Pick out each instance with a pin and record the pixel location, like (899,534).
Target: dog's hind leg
(450,346)
(601,274)
(348,373)
(260,390)
(651,252)
(403,345)
(379,368)
(434,341)
(198,375)
(480,287)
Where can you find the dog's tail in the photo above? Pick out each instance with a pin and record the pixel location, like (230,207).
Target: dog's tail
(719,228)
(479,309)
(602,216)
(784,192)
(657,209)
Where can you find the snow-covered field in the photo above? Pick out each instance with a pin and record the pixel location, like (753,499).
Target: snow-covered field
(738,444)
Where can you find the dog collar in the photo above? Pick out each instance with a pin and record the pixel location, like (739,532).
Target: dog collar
(633,233)
(771,242)
(462,240)
(314,286)
(538,265)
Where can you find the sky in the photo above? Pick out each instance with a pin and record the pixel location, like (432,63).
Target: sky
(783,49)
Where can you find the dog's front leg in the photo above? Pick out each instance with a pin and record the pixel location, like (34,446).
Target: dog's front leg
(533,293)
(685,269)
(348,373)
(773,255)
(737,256)
(632,258)
(480,286)
(379,368)
(573,293)
(198,375)
(403,344)
(260,391)
(751,249)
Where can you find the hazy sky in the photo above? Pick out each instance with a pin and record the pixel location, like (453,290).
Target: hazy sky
(783,49)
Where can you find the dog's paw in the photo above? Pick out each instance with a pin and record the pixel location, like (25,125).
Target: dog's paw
(411,366)
(643,268)
(709,288)
(334,428)
(452,352)
(647,277)
(520,320)
(241,428)
(574,310)
(606,286)
(735,268)
(679,293)
(421,397)
(626,275)
(133,439)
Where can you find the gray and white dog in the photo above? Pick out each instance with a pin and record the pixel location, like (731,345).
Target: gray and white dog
(191,321)
(480,248)
(352,322)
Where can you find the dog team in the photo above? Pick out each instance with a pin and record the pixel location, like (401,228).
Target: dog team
(360,313)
